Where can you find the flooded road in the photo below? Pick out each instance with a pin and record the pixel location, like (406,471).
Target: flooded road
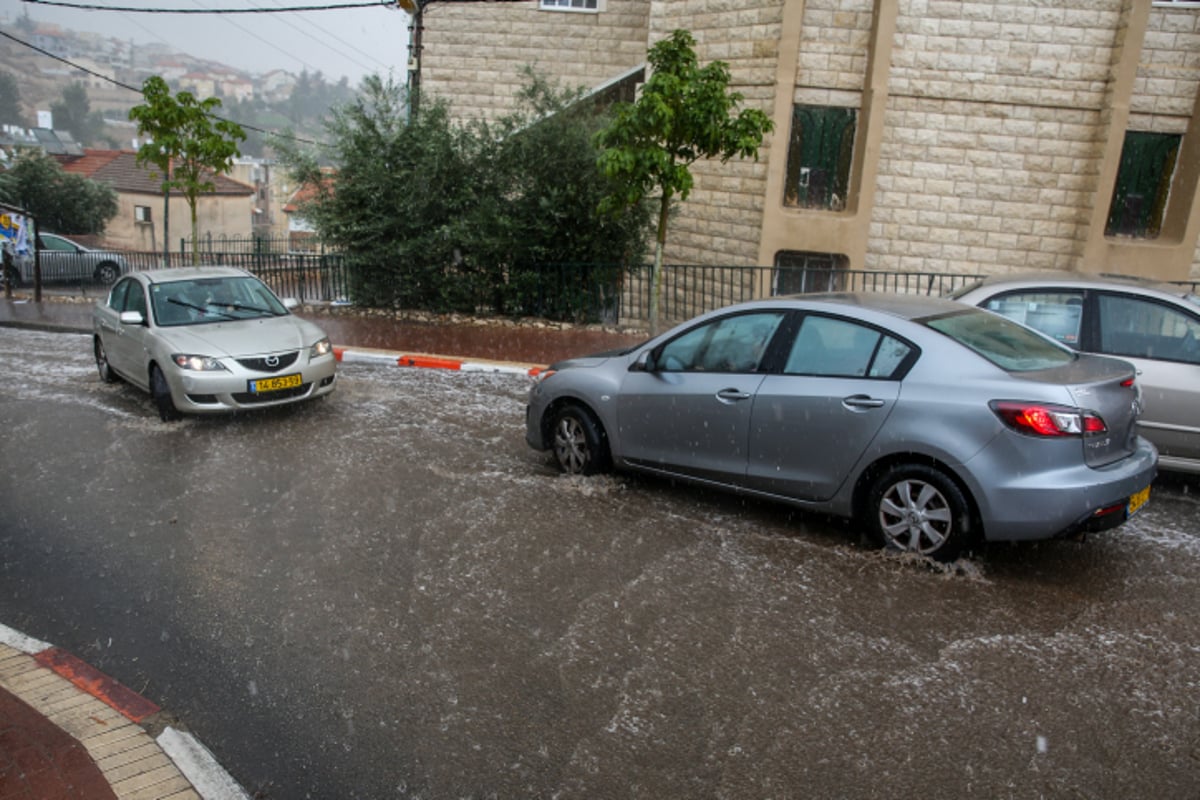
(387,594)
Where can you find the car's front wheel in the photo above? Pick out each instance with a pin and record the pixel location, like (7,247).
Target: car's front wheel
(106,273)
(162,396)
(580,446)
(917,508)
(102,366)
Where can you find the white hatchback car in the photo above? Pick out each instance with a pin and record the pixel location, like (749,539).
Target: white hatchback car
(1155,327)
(209,339)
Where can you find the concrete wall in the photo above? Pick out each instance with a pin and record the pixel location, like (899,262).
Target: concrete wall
(218,214)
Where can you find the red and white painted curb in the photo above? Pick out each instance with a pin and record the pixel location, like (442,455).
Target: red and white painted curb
(346,355)
(191,758)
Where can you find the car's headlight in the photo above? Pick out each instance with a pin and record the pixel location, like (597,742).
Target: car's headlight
(321,348)
(197,363)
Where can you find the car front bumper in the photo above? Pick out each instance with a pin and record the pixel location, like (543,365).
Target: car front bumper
(221,391)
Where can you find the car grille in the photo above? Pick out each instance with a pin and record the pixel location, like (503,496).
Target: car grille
(248,398)
(283,361)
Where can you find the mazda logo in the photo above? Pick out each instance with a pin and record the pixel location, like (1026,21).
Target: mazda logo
(272,361)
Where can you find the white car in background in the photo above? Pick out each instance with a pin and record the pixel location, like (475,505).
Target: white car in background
(206,340)
(1154,326)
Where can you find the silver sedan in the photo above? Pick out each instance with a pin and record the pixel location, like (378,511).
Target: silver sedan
(932,423)
(209,339)
(1155,327)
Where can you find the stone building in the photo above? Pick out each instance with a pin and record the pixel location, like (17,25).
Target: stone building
(951,136)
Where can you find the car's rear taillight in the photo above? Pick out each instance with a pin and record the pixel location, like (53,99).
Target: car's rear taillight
(1041,419)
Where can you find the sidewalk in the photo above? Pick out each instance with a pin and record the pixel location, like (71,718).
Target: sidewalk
(69,732)
(527,342)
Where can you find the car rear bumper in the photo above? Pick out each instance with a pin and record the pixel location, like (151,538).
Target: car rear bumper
(1061,502)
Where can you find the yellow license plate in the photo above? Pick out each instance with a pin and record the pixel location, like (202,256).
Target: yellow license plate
(1137,501)
(274,384)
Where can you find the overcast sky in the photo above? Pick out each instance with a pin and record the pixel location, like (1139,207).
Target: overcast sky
(351,42)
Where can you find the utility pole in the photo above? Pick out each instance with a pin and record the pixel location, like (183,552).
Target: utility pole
(416,9)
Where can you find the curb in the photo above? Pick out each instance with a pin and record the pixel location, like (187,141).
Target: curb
(193,762)
(346,355)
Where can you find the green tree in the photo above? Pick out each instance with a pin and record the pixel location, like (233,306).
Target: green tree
(188,144)
(396,202)
(61,201)
(10,100)
(73,114)
(434,215)
(684,113)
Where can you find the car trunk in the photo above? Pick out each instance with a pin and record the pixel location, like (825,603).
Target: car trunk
(1103,386)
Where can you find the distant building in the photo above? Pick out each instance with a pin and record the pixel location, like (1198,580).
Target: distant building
(225,211)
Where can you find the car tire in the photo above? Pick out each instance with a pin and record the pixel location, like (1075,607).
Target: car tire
(161,391)
(106,273)
(918,509)
(579,443)
(102,366)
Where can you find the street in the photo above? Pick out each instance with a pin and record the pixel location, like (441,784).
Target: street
(387,594)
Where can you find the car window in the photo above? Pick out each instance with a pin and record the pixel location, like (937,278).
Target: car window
(116,298)
(1141,328)
(730,344)
(54,243)
(1058,314)
(830,346)
(1005,343)
(217,299)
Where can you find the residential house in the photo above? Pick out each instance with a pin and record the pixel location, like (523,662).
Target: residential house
(277,85)
(224,211)
(909,135)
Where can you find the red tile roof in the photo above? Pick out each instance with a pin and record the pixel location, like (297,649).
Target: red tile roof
(120,170)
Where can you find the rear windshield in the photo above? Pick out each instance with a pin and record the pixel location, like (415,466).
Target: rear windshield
(1005,343)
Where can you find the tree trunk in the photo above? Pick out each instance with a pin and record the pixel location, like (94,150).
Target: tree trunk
(656,271)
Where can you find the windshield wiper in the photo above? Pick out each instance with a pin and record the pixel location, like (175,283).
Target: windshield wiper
(203,310)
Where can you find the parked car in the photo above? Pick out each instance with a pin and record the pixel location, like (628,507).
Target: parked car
(932,423)
(209,339)
(64,260)
(1153,326)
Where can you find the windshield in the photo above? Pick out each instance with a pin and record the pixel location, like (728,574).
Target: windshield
(1005,343)
(220,299)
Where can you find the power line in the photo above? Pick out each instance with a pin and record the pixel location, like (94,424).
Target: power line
(116,82)
(92,7)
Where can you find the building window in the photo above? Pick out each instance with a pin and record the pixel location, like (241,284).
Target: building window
(141,213)
(573,5)
(799,272)
(819,155)
(1143,183)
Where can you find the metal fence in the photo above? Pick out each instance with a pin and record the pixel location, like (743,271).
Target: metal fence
(593,293)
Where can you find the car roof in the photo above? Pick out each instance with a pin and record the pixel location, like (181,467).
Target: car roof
(191,273)
(903,306)
(1080,280)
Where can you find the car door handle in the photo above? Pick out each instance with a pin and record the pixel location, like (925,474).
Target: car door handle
(732,395)
(861,401)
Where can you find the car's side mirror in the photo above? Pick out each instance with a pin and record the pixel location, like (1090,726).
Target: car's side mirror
(643,363)
(132,318)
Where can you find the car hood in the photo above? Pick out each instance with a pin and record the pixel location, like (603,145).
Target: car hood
(243,337)
(594,360)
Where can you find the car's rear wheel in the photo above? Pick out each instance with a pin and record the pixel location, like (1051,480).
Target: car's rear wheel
(580,446)
(102,366)
(918,509)
(106,273)
(162,396)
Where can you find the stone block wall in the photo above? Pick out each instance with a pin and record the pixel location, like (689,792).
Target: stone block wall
(474,53)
